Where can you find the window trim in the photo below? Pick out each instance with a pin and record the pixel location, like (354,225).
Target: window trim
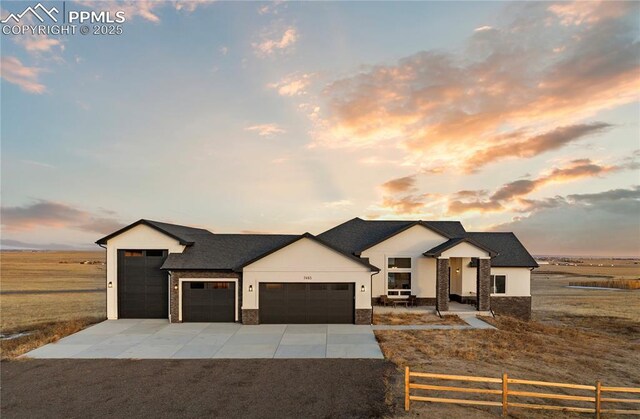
(398,292)
(492,289)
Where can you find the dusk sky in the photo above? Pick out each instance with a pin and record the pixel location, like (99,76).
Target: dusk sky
(291,117)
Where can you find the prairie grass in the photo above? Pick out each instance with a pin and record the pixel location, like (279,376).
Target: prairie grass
(38,273)
(623,284)
(414,318)
(41,334)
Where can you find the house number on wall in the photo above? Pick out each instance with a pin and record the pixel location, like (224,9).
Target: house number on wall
(307,277)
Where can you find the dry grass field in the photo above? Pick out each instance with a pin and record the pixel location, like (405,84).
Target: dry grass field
(576,336)
(414,318)
(35,274)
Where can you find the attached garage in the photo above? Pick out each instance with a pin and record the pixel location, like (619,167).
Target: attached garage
(312,303)
(143,288)
(208,301)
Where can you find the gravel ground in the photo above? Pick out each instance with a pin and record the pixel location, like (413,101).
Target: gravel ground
(306,388)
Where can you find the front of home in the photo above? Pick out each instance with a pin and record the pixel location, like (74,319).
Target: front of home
(184,274)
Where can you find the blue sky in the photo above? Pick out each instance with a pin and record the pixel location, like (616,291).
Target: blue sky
(293,117)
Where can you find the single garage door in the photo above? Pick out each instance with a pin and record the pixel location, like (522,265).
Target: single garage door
(307,303)
(143,288)
(208,301)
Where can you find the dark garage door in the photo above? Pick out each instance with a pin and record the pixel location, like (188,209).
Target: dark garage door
(307,303)
(143,288)
(208,301)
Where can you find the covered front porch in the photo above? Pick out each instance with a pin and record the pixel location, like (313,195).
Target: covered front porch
(463,275)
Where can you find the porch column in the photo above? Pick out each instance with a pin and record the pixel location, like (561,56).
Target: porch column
(442,284)
(483,285)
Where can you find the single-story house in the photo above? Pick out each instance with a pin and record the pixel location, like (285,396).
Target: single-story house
(186,274)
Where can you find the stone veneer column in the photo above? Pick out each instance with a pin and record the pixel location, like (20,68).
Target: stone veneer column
(483,285)
(174,299)
(442,284)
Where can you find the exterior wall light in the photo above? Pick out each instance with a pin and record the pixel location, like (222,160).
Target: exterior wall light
(250,288)
(175,287)
(110,284)
(363,288)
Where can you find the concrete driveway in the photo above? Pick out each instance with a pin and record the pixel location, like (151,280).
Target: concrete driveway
(157,339)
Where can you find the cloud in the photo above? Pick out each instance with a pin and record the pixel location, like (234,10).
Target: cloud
(587,12)
(44,213)
(410,204)
(13,71)
(603,224)
(507,95)
(145,9)
(518,145)
(510,197)
(292,85)
(270,7)
(272,42)
(400,185)
(343,203)
(224,50)
(266,130)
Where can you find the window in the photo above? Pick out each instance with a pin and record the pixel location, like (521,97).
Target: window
(154,253)
(398,276)
(133,253)
(197,285)
(498,284)
(399,263)
(217,285)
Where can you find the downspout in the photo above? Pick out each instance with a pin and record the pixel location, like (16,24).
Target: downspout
(371,292)
(105,280)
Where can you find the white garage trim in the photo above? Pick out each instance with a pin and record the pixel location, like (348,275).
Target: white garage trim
(181,280)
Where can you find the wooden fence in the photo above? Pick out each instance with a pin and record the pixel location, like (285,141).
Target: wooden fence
(505,396)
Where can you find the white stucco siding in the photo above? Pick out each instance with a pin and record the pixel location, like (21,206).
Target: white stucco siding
(140,237)
(518,283)
(464,250)
(305,261)
(412,243)
(469,275)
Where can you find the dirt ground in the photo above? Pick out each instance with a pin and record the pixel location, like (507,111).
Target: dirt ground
(330,388)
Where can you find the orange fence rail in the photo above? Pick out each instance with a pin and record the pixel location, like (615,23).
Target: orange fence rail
(505,396)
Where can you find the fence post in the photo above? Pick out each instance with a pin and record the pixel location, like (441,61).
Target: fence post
(505,394)
(598,391)
(406,389)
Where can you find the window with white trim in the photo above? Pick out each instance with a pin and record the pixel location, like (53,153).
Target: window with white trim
(498,284)
(398,276)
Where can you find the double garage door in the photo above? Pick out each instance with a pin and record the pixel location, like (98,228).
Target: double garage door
(312,303)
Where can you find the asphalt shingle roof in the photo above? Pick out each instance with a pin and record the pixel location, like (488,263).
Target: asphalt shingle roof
(186,235)
(357,234)
(226,251)
(511,253)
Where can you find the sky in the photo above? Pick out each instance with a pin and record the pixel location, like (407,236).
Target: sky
(288,117)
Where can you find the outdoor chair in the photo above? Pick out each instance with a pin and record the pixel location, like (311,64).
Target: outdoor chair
(384,300)
(413,300)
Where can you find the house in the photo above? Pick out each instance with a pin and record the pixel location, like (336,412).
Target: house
(185,274)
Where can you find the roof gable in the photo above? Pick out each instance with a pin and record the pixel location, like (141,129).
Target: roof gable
(311,237)
(183,234)
(455,242)
(358,235)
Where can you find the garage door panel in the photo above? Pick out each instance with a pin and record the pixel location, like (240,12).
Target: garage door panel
(208,302)
(142,286)
(307,303)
